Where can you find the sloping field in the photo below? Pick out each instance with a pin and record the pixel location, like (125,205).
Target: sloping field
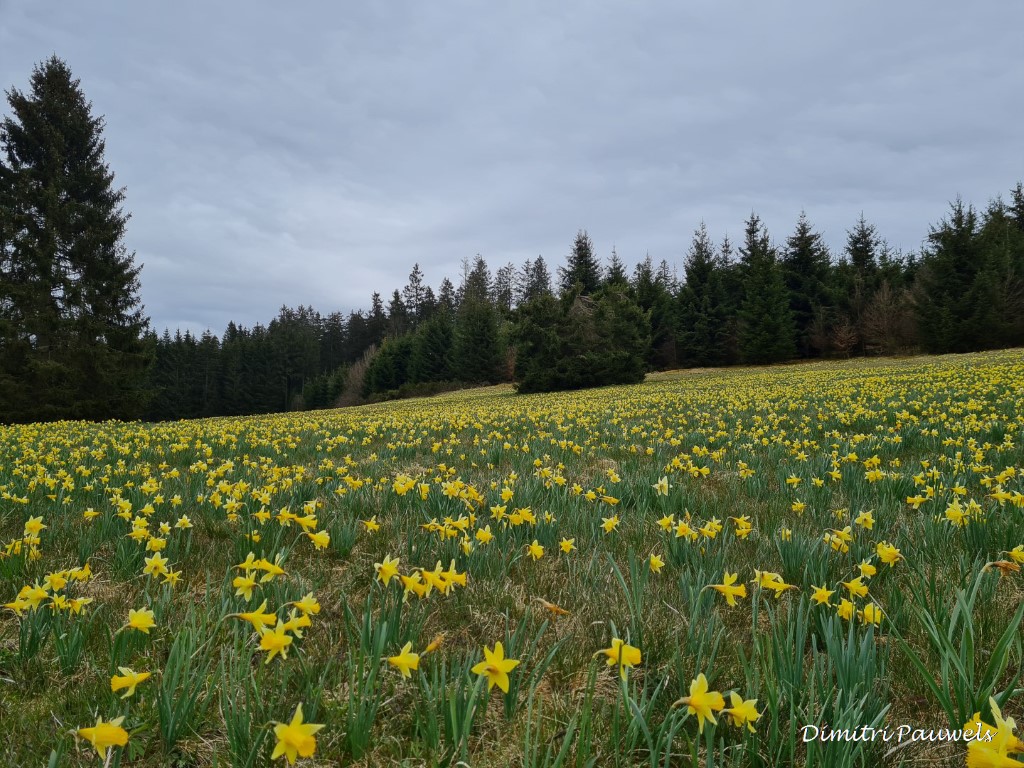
(688,571)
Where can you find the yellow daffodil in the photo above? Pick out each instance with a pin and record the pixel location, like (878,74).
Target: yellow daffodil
(308,604)
(105,735)
(258,618)
(702,702)
(991,747)
(622,655)
(141,619)
(822,595)
(387,570)
(244,585)
(1017,554)
(845,610)
(155,565)
(865,520)
(742,712)
(871,614)
(295,739)
(275,641)
(773,581)
(321,539)
(405,661)
(887,553)
(495,667)
(128,679)
(729,588)
(856,587)
(662,486)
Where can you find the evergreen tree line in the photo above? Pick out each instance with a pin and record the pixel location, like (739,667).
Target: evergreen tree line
(75,343)
(587,325)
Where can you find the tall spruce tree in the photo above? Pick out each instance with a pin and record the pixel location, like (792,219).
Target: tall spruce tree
(504,289)
(855,281)
(414,296)
(447,297)
(398,316)
(942,293)
(805,266)
(766,325)
(616,273)
(376,322)
(1017,205)
(533,281)
(862,243)
(652,292)
(582,267)
(430,359)
(700,333)
(477,351)
(71,321)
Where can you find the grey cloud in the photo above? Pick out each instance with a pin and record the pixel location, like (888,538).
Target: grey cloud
(311,153)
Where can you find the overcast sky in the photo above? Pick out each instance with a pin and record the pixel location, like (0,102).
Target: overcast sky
(309,153)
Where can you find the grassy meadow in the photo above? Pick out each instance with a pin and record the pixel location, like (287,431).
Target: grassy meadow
(687,572)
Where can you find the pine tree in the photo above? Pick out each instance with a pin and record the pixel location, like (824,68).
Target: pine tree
(295,346)
(428,307)
(729,288)
(766,325)
(357,336)
(949,266)
(430,359)
(700,319)
(856,279)
(414,296)
(504,289)
(536,337)
(477,353)
(862,243)
(533,282)
(389,370)
(332,342)
(580,341)
(581,268)
(652,293)
(234,385)
(805,266)
(616,274)
(476,283)
(398,315)
(376,323)
(447,297)
(995,301)
(1017,205)
(477,350)
(71,322)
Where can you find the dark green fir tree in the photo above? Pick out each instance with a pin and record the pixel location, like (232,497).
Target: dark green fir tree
(582,267)
(766,324)
(805,267)
(72,326)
